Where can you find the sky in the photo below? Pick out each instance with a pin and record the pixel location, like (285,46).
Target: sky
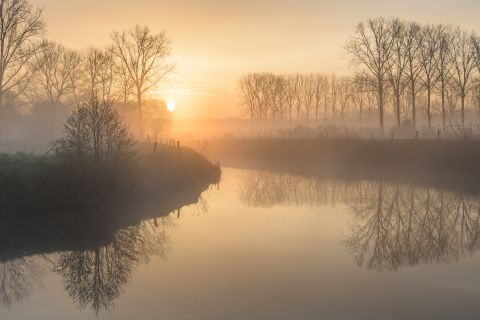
(214,42)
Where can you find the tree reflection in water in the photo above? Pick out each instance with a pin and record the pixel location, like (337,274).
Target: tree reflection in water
(95,253)
(393,226)
(97,277)
(17,278)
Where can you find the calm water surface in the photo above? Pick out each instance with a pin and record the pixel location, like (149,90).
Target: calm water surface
(270,246)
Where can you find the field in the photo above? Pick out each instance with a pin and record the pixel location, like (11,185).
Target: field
(451,164)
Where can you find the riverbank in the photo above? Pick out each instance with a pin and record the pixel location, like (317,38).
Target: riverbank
(50,206)
(451,164)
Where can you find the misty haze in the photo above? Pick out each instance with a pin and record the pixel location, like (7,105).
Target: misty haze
(222,160)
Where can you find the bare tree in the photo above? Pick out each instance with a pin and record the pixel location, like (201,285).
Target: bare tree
(427,57)
(333,94)
(280,101)
(443,64)
(308,94)
(344,95)
(100,74)
(290,96)
(57,73)
(451,101)
(298,89)
(143,56)
(413,42)
(359,93)
(159,119)
(372,46)
(247,95)
(95,132)
(326,92)
(476,97)
(20,26)
(273,94)
(463,60)
(124,84)
(476,87)
(397,65)
(319,87)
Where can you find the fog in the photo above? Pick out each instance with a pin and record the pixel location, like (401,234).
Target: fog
(281,187)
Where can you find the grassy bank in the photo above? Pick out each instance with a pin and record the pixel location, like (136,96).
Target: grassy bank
(452,164)
(49,205)
(49,184)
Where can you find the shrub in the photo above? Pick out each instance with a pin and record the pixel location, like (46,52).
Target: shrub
(95,132)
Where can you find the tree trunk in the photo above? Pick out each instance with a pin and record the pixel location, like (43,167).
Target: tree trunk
(397,102)
(139,105)
(1,114)
(429,112)
(361,113)
(325,110)
(443,107)
(290,117)
(414,115)
(463,109)
(380,106)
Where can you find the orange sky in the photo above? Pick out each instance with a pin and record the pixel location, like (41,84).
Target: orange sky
(214,42)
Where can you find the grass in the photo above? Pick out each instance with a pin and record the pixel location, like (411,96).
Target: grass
(49,205)
(47,184)
(448,163)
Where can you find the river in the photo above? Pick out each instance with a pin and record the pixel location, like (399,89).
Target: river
(269,246)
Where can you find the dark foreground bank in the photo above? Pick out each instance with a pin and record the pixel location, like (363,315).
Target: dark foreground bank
(452,164)
(48,205)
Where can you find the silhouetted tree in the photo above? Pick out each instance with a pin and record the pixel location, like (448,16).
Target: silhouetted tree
(413,42)
(58,73)
(428,52)
(372,46)
(96,132)
(463,62)
(21,26)
(143,57)
(100,74)
(444,65)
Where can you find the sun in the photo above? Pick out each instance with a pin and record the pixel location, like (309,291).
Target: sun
(171,106)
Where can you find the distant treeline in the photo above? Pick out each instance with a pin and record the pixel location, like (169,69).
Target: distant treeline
(42,79)
(304,97)
(394,225)
(403,69)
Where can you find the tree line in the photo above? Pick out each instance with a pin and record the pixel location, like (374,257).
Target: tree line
(34,70)
(393,225)
(404,68)
(304,97)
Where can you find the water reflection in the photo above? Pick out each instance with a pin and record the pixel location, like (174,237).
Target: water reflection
(393,225)
(93,277)
(95,254)
(17,279)
(96,277)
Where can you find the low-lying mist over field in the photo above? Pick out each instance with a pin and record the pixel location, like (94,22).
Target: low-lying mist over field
(239,160)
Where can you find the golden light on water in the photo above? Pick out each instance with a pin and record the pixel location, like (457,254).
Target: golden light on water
(171,106)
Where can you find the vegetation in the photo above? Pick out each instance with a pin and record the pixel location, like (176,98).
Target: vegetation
(95,164)
(404,71)
(446,163)
(394,225)
(40,79)
(95,132)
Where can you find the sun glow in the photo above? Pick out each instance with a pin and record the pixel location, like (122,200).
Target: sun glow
(171,106)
